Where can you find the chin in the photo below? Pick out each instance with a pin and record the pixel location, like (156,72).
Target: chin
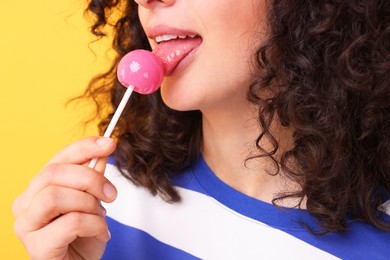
(178,100)
(179,104)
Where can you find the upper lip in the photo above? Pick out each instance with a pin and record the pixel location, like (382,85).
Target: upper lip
(163,32)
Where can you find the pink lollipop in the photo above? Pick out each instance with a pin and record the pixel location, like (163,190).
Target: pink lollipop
(141,71)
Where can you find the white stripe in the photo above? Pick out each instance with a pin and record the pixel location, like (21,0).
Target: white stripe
(385,207)
(202,226)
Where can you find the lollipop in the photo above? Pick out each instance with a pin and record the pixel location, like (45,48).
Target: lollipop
(140,71)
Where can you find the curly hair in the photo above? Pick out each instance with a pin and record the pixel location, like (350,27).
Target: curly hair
(328,64)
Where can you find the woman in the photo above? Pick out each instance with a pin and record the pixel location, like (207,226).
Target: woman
(270,129)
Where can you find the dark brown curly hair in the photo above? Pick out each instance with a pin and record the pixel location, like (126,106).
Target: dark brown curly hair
(327,61)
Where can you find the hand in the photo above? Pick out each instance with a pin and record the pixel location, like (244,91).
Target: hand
(59,215)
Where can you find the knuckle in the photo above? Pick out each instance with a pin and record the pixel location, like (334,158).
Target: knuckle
(90,205)
(75,220)
(52,171)
(89,179)
(77,223)
(50,197)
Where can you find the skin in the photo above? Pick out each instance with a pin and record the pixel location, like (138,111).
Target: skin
(61,204)
(219,91)
(205,83)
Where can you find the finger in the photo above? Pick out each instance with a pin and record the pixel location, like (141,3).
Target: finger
(72,225)
(79,152)
(100,166)
(70,176)
(84,150)
(60,233)
(54,201)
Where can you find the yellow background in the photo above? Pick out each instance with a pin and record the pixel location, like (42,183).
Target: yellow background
(45,59)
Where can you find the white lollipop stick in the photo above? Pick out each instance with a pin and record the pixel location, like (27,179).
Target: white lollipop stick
(114,120)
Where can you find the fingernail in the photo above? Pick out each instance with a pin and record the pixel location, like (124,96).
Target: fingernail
(102,211)
(109,191)
(105,236)
(103,141)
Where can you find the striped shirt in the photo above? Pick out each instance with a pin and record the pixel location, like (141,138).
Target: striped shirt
(215,221)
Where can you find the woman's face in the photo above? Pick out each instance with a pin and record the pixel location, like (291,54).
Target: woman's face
(207,48)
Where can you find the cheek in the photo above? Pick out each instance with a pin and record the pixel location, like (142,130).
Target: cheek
(144,16)
(234,34)
(229,61)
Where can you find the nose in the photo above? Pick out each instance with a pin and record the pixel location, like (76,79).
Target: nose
(150,3)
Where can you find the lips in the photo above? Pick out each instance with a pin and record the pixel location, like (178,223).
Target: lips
(172,50)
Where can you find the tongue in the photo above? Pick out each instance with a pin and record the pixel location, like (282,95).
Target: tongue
(172,52)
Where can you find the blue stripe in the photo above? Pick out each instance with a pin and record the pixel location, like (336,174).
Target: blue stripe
(111,160)
(188,181)
(361,241)
(278,217)
(131,243)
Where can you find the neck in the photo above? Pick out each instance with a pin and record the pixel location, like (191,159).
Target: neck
(229,139)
